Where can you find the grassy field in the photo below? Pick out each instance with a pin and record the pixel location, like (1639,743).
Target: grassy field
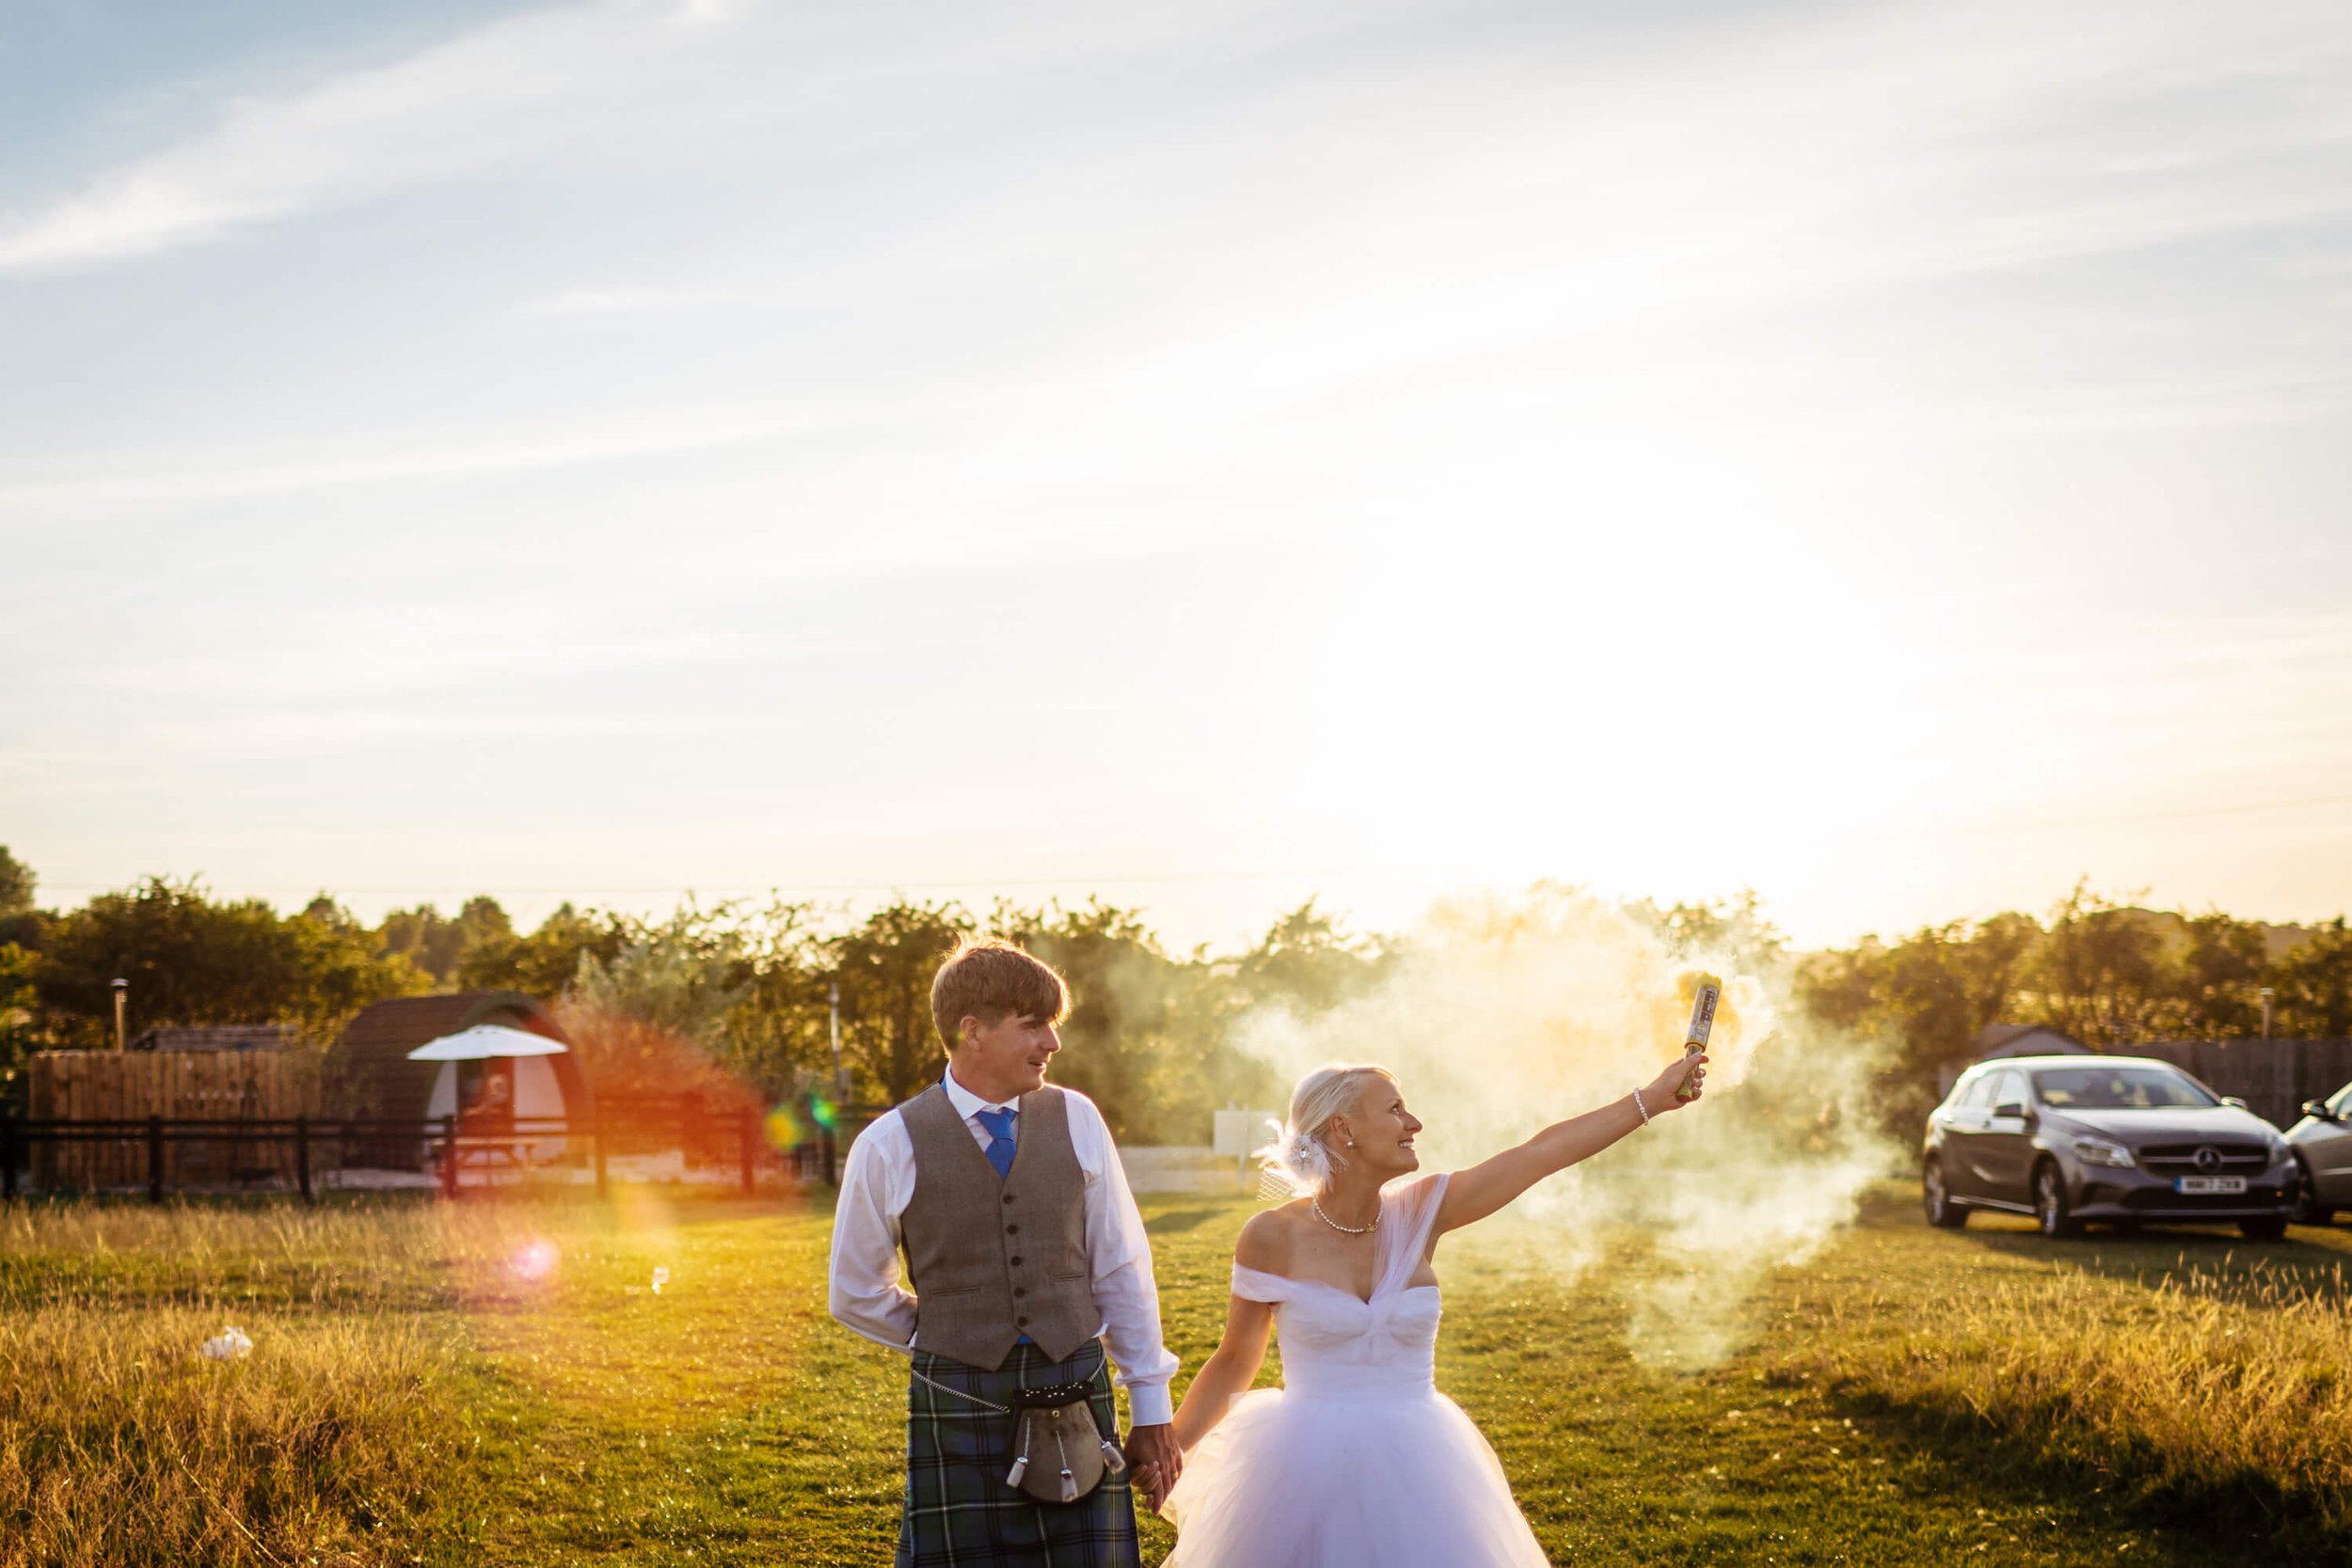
(501,1384)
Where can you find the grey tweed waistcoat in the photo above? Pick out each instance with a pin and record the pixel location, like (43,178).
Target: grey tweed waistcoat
(991,1260)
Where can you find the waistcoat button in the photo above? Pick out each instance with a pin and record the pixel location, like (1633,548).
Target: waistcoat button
(1020,1290)
(1015,1261)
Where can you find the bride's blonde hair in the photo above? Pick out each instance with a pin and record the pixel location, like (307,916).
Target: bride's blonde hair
(1300,1153)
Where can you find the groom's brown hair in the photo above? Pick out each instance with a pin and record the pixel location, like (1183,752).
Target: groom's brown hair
(989,980)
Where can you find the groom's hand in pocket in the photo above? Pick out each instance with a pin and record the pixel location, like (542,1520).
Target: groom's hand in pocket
(1155,1460)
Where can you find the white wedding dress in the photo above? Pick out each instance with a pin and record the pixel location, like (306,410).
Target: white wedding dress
(1357,1461)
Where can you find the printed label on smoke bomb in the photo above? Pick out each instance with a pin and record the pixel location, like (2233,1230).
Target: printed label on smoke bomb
(1702,1020)
(1703,1012)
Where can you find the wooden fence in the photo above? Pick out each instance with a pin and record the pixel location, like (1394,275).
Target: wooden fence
(303,1147)
(230,1090)
(2273,1077)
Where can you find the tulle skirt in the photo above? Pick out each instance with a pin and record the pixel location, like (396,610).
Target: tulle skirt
(1401,1480)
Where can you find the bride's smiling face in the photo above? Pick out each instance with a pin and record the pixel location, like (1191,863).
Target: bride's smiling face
(1383,1128)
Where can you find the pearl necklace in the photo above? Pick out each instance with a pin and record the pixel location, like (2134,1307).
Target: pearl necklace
(1316,1204)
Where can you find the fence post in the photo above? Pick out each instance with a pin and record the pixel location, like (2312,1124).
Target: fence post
(749,1146)
(596,1148)
(154,1159)
(302,1156)
(449,1156)
(832,1172)
(8,1157)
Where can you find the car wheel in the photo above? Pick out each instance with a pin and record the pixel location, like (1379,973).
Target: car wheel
(1942,1211)
(2056,1216)
(2308,1209)
(2268,1227)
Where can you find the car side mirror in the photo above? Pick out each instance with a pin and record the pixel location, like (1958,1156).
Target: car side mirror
(2234,1100)
(2317,1109)
(2010,1108)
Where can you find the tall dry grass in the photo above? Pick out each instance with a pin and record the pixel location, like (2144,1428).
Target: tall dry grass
(120,1443)
(2224,1389)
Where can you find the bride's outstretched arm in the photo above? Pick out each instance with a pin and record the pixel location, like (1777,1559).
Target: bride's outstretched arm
(1230,1370)
(1472,1195)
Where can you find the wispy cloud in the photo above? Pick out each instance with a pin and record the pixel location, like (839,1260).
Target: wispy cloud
(385,461)
(493,96)
(627,301)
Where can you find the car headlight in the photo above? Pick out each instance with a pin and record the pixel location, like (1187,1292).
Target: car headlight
(2099,1151)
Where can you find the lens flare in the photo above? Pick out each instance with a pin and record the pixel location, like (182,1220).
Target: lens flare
(534,1263)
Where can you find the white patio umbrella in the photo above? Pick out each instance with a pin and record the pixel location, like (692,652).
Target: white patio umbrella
(485,1041)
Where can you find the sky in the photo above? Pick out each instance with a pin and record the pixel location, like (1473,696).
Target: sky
(1889,456)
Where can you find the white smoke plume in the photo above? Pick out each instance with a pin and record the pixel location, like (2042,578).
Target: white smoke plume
(1500,1018)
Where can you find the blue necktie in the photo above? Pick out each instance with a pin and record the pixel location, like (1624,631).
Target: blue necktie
(1000,1143)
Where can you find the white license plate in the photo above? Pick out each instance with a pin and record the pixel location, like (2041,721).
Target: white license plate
(2209,1183)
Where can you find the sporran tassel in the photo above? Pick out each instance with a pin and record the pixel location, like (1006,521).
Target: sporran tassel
(1069,1481)
(1021,1460)
(1113,1460)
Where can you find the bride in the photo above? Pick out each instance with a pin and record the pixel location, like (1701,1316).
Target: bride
(1358,1460)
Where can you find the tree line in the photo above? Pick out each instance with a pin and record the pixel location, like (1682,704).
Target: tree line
(735,995)
(2111,974)
(748,995)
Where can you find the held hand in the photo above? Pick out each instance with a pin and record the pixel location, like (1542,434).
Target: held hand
(1155,1461)
(1663,1095)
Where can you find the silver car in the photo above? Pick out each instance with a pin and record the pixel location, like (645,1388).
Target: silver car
(2322,1142)
(2114,1140)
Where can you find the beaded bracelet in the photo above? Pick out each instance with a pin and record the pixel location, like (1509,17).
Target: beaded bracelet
(1639,1106)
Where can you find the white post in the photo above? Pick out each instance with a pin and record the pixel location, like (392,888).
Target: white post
(833,1024)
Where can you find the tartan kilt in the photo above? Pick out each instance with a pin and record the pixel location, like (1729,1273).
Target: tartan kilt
(959,1513)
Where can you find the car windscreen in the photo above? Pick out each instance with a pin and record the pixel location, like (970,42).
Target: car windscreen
(2117,1088)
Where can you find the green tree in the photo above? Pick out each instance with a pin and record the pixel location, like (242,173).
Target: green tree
(1144,1040)
(439,946)
(1737,929)
(2314,984)
(2217,976)
(341,970)
(1307,962)
(1923,998)
(16,883)
(2105,975)
(543,964)
(190,959)
(884,967)
(19,922)
(778,1033)
(19,1000)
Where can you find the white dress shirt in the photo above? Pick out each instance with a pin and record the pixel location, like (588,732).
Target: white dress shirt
(879,1183)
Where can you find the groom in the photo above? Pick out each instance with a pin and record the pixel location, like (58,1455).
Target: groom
(1026,1255)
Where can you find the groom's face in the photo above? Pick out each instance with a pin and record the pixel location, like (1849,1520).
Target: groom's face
(1008,1057)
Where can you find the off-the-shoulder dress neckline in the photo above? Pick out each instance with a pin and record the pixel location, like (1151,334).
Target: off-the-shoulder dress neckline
(1326,1285)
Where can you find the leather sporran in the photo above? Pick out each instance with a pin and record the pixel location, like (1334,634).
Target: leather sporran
(1058,1454)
